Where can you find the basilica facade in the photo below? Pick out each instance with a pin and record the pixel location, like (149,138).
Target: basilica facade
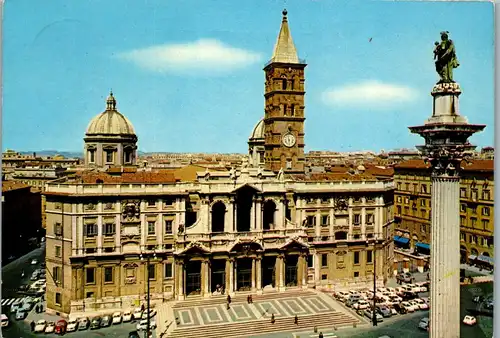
(116,230)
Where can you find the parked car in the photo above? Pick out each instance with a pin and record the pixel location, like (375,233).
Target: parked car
(83,324)
(137,313)
(341,296)
(143,324)
(72,325)
(385,311)
(361,304)
(34,261)
(61,327)
(40,326)
(421,304)
(152,313)
(408,307)
(405,277)
(424,323)
(127,316)
(117,318)
(106,321)
(409,296)
(414,304)
(21,314)
(96,323)
(469,320)
(369,314)
(50,328)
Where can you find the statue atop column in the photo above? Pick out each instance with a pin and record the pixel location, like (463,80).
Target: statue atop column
(445,58)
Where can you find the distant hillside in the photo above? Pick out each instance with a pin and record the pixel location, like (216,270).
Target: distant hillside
(43,153)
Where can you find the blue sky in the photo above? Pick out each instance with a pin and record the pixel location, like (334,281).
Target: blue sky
(188,74)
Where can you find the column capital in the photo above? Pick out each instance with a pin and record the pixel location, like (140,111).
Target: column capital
(281,256)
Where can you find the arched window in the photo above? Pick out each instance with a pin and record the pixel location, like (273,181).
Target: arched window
(269,211)
(218,216)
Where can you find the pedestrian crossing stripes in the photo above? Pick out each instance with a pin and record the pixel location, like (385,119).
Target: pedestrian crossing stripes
(10,301)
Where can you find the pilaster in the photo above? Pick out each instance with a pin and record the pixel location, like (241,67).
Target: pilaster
(144,230)
(180,280)
(229,220)
(99,229)
(280,271)
(259,211)
(363,220)
(254,274)
(258,269)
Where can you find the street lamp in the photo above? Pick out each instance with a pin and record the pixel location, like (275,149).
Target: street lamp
(148,319)
(374,312)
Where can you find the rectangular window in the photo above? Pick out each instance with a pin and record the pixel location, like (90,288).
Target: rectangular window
(463,192)
(398,209)
(151,203)
(356,257)
(407,200)
(292,110)
(485,224)
(473,239)
(108,274)
(58,300)
(168,270)
(474,194)
(422,202)
(357,219)
(398,186)
(90,230)
(356,274)
(399,199)
(369,256)
(325,200)
(407,186)
(56,274)
(168,201)
(463,207)
(58,251)
(289,164)
(168,226)
(486,195)
(462,220)
(423,188)
(486,211)
(473,209)
(473,222)
(462,236)
(324,276)
(325,220)
(151,228)
(423,213)
(109,156)
(58,229)
(90,275)
(423,228)
(109,229)
(324,260)
(151,271)
(311,220)
(91,156)
(369,218)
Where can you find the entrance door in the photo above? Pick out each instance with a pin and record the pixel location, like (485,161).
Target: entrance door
(268,271)
(218,275)
(291,270)
(244,275)
(193,278)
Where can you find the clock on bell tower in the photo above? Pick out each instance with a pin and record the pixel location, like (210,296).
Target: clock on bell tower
(284,106)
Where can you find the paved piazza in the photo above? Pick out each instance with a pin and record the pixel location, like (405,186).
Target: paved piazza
(243,312)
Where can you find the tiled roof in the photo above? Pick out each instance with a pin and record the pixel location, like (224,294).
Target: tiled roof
(13,185)
(136,178)
(322,177)
(473,165)
(380,171)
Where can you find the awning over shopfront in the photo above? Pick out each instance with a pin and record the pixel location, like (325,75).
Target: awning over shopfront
(423,246)
(485,259)
(401,240)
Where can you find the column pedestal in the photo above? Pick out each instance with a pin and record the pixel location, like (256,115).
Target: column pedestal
(445,259)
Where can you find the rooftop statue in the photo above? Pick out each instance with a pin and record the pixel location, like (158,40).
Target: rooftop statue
(445,58)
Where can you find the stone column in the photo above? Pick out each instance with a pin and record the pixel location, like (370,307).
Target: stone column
(258,210)
(205,279)
(317,227)
(144,226)
(280,271)
(80,233)
(252,215)
(298,212)
(280,215)
(445,258)
(229,221)
(304,271)
(351,219)
(317,268)
(254,274)
(99,232)
(258,269)
(118,244)
(180,280)
(230,276)
(300,270)
(363,220)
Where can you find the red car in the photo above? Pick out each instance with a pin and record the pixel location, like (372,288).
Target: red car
(61,327)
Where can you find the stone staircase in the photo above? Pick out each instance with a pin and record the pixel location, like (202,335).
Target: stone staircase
(264,326)
(240,298)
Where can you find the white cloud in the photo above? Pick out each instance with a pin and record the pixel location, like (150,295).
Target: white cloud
(369,94)
(204,55)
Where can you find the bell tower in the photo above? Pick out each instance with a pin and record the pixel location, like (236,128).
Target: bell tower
(284,106)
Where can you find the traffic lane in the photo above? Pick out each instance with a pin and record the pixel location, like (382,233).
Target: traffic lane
(11,275)
(466,302)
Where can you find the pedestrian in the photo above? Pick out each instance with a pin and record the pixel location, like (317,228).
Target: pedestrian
(32,325)
(272,318)
(228,299)
(320,335)
(296,320)
(228,307)
(251,299)
(248,299)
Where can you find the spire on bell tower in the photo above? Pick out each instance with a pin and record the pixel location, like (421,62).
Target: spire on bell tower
(111,102)
(284,49)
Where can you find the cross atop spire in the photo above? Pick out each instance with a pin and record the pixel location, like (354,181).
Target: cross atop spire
(284,49)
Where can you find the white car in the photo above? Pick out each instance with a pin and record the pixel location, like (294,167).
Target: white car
(391,290)
(117,318)
(152,313)
(34,262)
(40,326)
(143,324)
(361,305)
(416,306)
(422,286)
(415,288)
(421,304)
(395,299)
(137,313)
(393,311)
(408,307)
(72,325)
(127,316)
(469,320)
(51,326)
